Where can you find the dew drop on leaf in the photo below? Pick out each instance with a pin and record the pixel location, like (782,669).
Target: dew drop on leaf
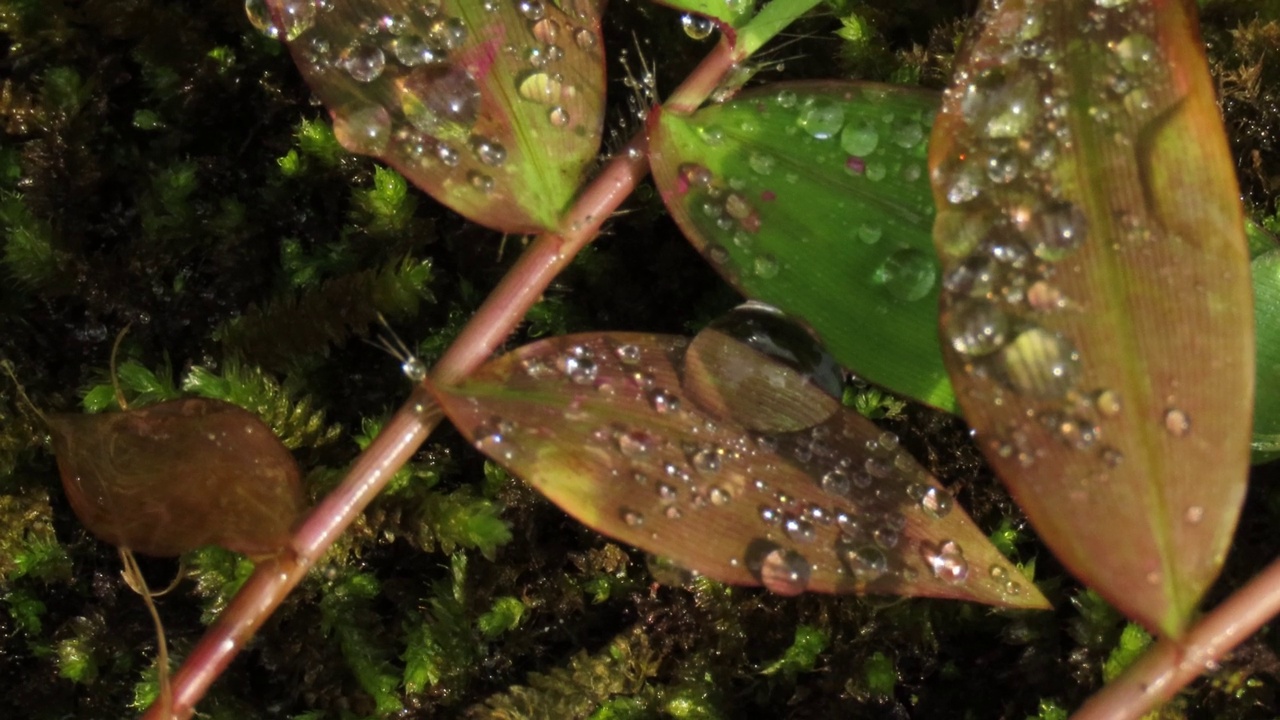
(907,274)
(697,26)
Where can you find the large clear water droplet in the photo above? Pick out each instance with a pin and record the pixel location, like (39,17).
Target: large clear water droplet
(697,26)
(364,131)
(439,99)
(976,327)
(770,332)
(907,274)
(821,118)
(859,139)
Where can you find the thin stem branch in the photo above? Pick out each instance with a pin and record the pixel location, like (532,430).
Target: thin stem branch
(1172,664)
(496,319)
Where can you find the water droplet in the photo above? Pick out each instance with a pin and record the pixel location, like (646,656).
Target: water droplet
(869,234)
(364,63)
(1177,422)
(859,139)
(1111,457)
(412,50)
(448,33)
(761,163)
(908,135)
(480,181)
(785,572)
(836,482)
(584,38)
(947,562)
(1040,363)
(1108,403)
(822,119)
(976,328)
(799,530)
(296,17)
(259,14)
(632,518)
(558,116)
(1194,514)
(936,502)
(886,537)
(489,152)
(663,402)
(866,562)
(707,459)
(532,9)
(907,274)
(1058,229)
(765,266)
(433,95)
(696,26)
(547,31)
(364,131)
(579,366)
(770,332)
(667,493)
(634,443)
(719,496)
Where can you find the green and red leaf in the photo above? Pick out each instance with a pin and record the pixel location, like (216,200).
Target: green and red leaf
(1096,310)
(616,429)
(494,108)
(814,198)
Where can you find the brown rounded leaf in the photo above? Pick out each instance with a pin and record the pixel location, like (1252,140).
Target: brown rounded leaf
(180,475)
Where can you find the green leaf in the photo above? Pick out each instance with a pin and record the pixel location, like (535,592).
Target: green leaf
(1266,408)
(495,110)
(809,643)
(728,13)
(813,197)
(1097,315)
(631,434)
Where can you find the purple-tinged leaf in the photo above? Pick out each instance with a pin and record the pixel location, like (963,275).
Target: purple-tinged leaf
(608,427)
(814,198)
(1096,311)
(180,475)
(494,108)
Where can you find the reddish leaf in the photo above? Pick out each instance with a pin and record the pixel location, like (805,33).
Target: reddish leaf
(177,476)
(1096,308)
(603,426)
(494,108)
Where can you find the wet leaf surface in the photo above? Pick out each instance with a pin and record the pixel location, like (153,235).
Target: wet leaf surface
(494,108)
(814,198)
(612,428)
(1266,408)
(180,475)
(1096,310)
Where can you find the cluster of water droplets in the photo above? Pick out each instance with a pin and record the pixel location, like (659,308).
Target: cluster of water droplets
(1009,228)
(414,79)
(837,499)
(857,137)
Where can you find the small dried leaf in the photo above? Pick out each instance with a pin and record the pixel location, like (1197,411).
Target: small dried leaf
(603,425)
(814,198)
(1096,311)
(494,108)
(180,475)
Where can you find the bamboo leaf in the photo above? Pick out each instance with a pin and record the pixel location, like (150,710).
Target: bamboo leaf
(495,109)
(611,428)
(1096,311)
(813,197)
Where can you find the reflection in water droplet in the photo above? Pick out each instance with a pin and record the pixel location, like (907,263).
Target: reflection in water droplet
(435,95)
(859,139)
(886,537)
(907,274)
(866,562)
(821,118)
(785,572)
(364,131)
(259,14)
(1177,422)
(532,9)
(663,402)
(364,63)
(976,327)
(1039,363)
(766,266)
(947,562)
(696,26)
(799,530)
(936,503)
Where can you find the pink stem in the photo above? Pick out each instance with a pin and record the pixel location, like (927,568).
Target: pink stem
(1172,664)
(501,312)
